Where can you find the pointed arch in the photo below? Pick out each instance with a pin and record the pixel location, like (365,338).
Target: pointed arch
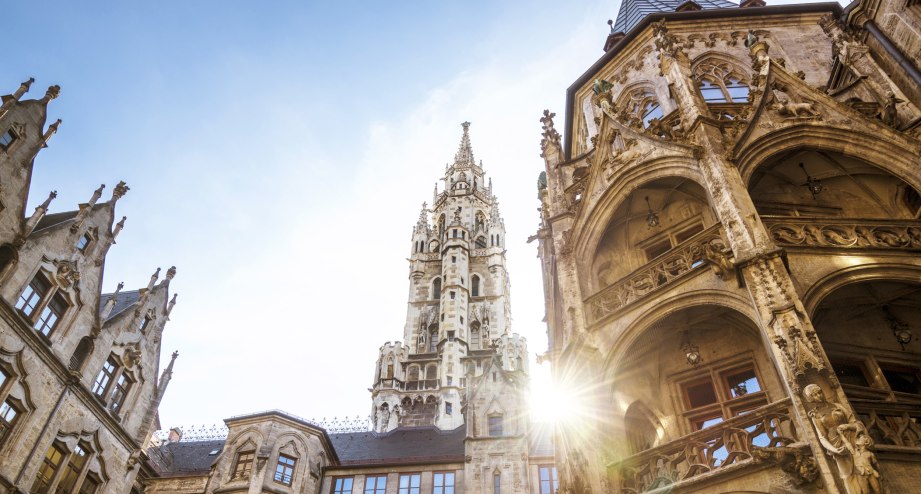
(642,428)
(475,285)
(721,78)
(436,288)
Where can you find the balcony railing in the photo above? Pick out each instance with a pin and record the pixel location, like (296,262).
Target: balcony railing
(389,383)
(661,271)
(845,234)
(891,424)
(421,384)
(713,449)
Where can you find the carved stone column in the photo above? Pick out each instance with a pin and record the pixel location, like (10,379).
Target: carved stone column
(786,329)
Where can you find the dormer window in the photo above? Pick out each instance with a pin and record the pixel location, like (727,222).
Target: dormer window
(7,139)
(83,242)
(284,469)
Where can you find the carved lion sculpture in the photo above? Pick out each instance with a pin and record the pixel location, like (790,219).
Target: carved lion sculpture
(791,109)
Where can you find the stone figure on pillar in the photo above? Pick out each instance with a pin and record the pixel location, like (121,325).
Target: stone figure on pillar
(845,439)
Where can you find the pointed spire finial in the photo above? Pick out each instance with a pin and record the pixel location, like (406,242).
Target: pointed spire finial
(120,190)
(118,227)
(121,284)
(171,273)
(47,202)
(153,279)
(39,213)
(23,88)
(50,131)
(52,92)
(611,23)
(172,303)
(464,154)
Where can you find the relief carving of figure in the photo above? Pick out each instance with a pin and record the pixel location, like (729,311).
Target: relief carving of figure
(845,439)
(788,108)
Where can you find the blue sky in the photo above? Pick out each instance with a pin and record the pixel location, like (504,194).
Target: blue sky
(278,154)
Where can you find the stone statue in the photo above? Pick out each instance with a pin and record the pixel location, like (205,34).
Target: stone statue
(845,439)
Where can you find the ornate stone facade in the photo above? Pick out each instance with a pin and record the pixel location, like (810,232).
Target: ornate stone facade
(79,370)
(729,239)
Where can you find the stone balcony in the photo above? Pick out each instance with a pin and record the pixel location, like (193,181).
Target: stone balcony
(688,257)
(844,233)
(741,442)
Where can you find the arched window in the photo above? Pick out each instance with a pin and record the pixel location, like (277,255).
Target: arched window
(413,373)
(480,221)
(641,433)
(475,335)
(433,337)
(721,82)
(431,372)
(441,224)
(475,286)
(84,348)
(436,288)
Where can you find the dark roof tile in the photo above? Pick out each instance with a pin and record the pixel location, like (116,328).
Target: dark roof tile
(402,445)
(633,11)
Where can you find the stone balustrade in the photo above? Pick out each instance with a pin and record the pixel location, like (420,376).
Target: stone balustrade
(654,275)
(724,446)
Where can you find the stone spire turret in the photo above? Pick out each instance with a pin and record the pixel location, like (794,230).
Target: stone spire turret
(458,302)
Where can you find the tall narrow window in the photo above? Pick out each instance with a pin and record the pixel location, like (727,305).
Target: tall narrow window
(475,286)
(244,465)
(72,471)
(49,467)
(33,294)
(284,469)
(495,425)
(122,387)
(443,483)
(8,416)
(342,485)
(480,242)
(548,479)
(436,288)
(410,483)
(101,384)
(497,483)
(376,485)
(145,321)
(51,314)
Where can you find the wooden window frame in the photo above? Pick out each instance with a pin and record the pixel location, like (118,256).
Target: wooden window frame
(671,235)
(333,486)
(725,406)
(444,486)
(43,484)
(37,315)
(409,488)
(377,488)
(243,465)
(285,467)
(14,136)
(553,479)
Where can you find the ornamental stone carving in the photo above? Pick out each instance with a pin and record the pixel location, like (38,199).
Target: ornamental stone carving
(67,273)
(875,235)
(846,440)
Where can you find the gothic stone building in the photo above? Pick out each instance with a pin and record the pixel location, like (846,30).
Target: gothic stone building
(449,400)
(79,386)
(730,244)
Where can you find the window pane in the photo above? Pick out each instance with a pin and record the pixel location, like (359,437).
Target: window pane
(738,91)
(651,110)
(743,383)
(700,394)
(703,424)
(712,93)
(850,374)
(902,380)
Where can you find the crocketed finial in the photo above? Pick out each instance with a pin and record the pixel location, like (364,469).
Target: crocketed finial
(171,273)
(120,190)
(52,92)
(153,279)
(464,156)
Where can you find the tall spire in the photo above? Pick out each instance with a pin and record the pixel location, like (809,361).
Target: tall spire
(464,156)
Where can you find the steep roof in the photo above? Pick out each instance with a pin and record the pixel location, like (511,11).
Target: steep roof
(633,11)
(401,445)
(185,457)
(123,301)
(50,220)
